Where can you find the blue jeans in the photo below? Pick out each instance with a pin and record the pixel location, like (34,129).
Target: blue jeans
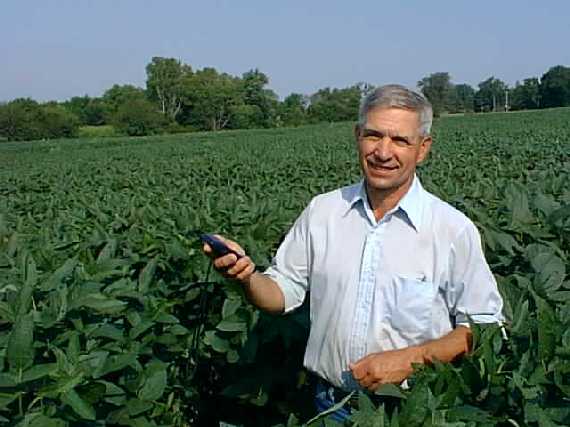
(325,399)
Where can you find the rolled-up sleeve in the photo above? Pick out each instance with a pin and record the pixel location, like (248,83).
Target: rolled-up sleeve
(290,266)
(473,292)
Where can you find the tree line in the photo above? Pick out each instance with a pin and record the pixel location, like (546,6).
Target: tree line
(492,94)
(178,98)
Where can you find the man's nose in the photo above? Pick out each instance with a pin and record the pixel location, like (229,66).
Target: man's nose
(383,149)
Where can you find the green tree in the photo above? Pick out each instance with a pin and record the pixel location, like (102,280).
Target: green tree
(24,119)
(437,88)
(244,116)
(57,122)
(491,95)
(293,110)
(255,93)
(20,120)
(89,111)
(555,87)
(462,98)
(209,98)
(335,105)
(164,84)
(526,96)
(119,95)
(138,118)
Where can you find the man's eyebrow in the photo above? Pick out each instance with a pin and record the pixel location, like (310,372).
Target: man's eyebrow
(380,134)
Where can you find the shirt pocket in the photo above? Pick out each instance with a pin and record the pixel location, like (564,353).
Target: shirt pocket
(411,307)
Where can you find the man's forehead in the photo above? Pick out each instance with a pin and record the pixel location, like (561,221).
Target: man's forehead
(392,121)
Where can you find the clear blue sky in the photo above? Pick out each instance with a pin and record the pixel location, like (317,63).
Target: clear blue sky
(55,49)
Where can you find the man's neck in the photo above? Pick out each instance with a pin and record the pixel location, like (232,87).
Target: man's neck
(383,201)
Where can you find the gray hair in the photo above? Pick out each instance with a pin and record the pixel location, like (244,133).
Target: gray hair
(398,96)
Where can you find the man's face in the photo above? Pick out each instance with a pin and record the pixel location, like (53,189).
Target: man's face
(389,148)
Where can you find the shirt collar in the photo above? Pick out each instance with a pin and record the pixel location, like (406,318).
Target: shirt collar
(410,204)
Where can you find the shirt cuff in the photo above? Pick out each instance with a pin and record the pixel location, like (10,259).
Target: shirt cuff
(463,320)
(293,293)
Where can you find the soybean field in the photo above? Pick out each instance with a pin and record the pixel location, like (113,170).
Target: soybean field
(110,314)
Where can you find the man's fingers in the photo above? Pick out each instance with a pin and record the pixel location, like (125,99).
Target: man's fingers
(225,261)
(359,369)
(374,386)
(239,266)
(367,381)
(231,244)
(249,270)
(358,374)
(230,265)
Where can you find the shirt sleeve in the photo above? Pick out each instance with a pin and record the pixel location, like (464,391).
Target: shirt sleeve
(473,292)
(290,266)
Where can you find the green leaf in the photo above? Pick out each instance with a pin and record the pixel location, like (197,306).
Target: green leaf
(80,406)
(520,325)
(146,275)
(7,398)
(548,330)
(559,216)
(154,382)
(108,331)
(108,251)
(6,312)
(219,344)
(503,240)
(232,356)
(552,273)
(20,351)
(73,347)
(114,394)
(115,363)
(140,328)
(8,380)
(232,326)
(178,330)
(517,201)
(545,203)
(41,420)
(94,361)
(166,318)
(92,392)
(329,411)
(230,307)
(39,371)
(60,275)
(390,390)
(64,384)
(100,303)
(137,406)
(416,407)
(367,414)
(30,281)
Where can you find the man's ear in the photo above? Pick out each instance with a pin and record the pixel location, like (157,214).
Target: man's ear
(425,146)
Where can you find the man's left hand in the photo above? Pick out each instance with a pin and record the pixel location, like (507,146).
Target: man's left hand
(388,367)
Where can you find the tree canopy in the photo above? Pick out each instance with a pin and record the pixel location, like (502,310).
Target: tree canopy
(179,98)
(555,87)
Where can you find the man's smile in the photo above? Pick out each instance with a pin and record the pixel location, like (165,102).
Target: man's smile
(381,167)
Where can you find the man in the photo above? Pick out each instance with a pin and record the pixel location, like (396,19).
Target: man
(395,273)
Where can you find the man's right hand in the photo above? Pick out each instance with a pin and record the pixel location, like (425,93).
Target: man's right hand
(260,290)
(229,265)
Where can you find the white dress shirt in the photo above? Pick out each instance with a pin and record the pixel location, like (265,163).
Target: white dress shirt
(381,285)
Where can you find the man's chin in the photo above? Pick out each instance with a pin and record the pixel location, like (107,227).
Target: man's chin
(380,184)
(384,184)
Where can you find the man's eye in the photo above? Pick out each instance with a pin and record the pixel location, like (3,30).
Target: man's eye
(401,141)
(372,138)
